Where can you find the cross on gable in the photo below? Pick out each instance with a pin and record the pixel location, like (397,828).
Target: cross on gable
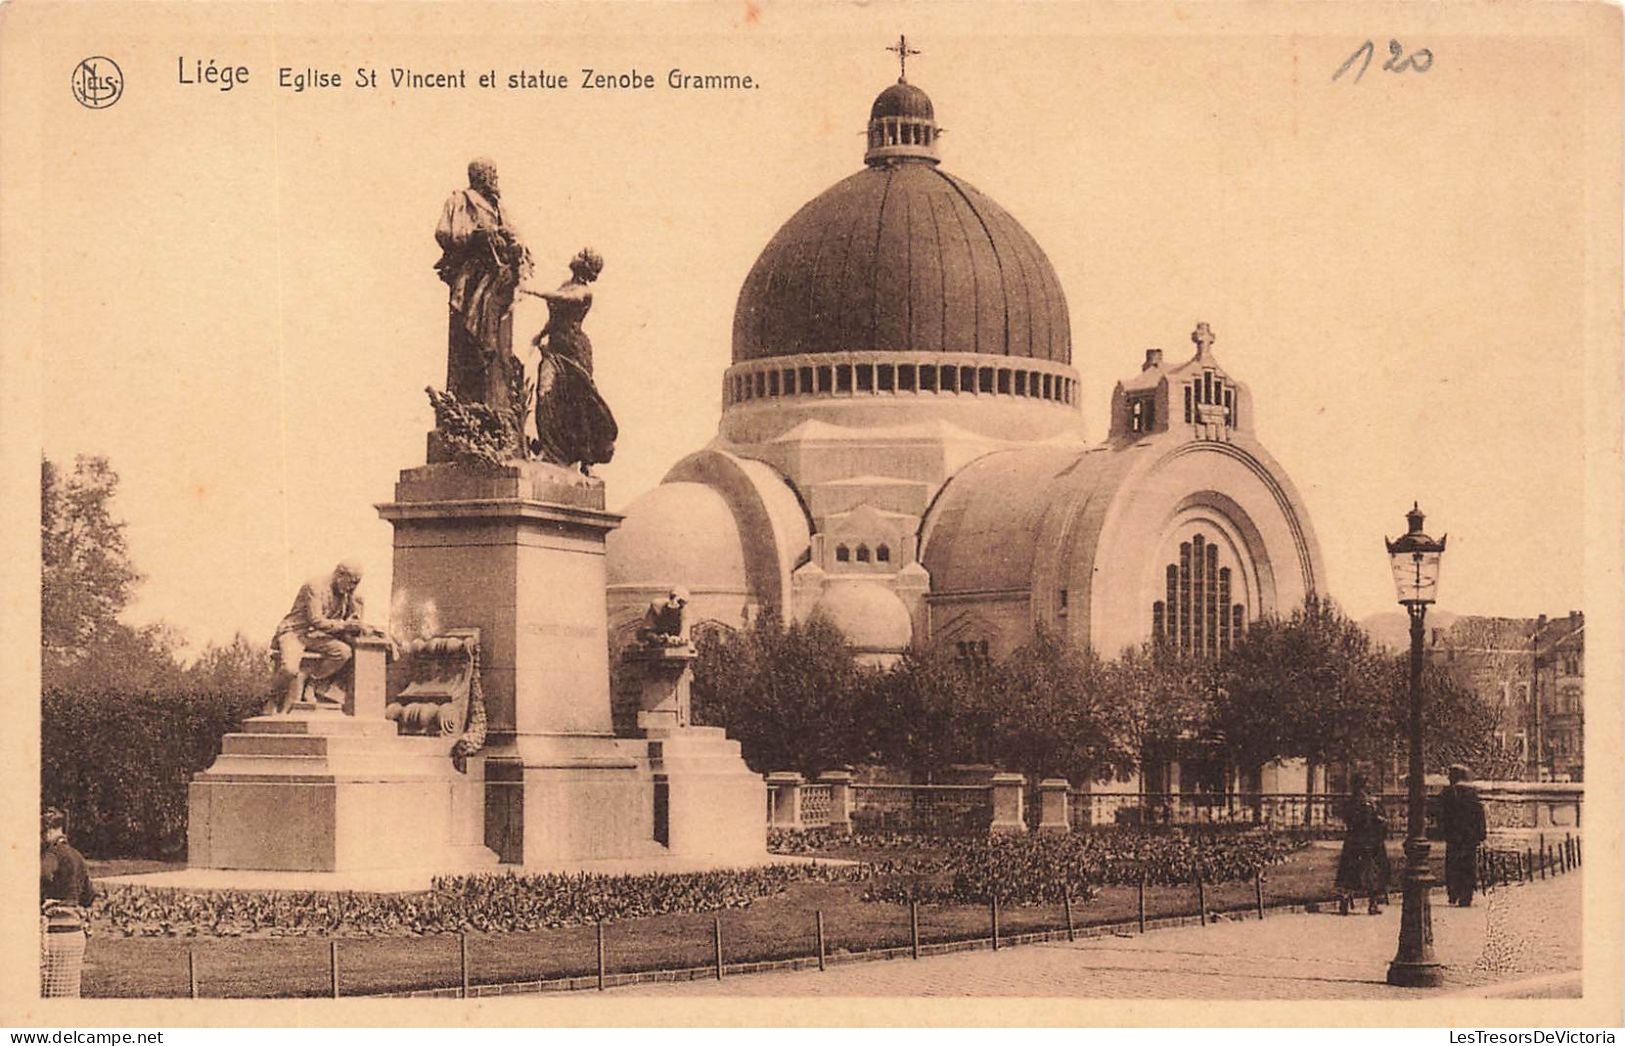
(1203,337)
(902,51)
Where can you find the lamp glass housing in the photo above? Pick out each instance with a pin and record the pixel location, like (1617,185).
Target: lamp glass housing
(1416,574)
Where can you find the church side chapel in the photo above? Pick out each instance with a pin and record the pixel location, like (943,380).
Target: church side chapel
(901,450)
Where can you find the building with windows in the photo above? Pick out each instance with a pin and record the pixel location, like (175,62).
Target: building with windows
(901,446)
(1531,673)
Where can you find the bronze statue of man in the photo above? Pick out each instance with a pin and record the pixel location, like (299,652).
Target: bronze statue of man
(326,615)
(483,263)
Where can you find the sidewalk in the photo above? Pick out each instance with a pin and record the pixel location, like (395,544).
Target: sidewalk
(1520,933)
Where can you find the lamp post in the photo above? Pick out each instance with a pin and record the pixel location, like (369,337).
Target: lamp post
(1415,558)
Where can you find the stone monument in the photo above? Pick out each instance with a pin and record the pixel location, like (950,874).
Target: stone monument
(514,546)
(333,786)
(494,736)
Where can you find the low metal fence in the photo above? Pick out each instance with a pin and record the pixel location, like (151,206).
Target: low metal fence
(709,945)
(942,809)
(1282,811)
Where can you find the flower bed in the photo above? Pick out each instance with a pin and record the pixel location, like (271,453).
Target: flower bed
(1040,868)
(498,903)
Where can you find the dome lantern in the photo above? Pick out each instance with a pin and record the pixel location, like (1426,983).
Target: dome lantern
(902,125)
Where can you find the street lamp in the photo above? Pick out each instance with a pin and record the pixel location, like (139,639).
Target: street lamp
(1415,558)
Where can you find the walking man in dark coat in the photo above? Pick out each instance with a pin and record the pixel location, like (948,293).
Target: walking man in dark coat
(1461,822)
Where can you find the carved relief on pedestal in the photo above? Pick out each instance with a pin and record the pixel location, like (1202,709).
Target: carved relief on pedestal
(443,696)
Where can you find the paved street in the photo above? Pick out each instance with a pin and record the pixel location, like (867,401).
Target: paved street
(1520,933)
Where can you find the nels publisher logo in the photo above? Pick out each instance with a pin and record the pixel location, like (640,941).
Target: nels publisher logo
(97,82)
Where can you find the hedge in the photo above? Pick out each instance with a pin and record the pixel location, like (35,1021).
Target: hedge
(119,764)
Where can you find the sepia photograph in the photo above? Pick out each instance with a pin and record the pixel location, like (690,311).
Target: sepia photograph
(648,514)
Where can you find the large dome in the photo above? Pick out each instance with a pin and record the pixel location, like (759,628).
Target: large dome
(902,256)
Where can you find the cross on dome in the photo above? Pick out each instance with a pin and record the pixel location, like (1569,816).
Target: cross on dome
(902,51)
(1203,337)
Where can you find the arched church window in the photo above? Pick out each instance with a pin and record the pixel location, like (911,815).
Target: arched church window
(1197,615)
(1021,383)
(1188,415)
(883,554)
(863,553)
(842,554)
(1004,382)
(773,383)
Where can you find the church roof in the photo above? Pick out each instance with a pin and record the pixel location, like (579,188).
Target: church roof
(902,256)
(988,529)
(902,99)
(679,533)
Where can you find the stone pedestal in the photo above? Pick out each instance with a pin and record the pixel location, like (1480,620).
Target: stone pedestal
(321,791)
(518,552)
(368,665)
(666,675)
(706,800)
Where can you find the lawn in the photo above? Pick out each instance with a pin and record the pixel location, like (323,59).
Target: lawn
(776,927)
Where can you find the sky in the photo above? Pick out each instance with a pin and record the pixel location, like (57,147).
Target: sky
(238,305)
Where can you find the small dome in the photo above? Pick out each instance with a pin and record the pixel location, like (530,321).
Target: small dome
(678,533)
(902,99)
(871,616)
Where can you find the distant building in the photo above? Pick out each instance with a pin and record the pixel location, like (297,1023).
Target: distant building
(1532,672)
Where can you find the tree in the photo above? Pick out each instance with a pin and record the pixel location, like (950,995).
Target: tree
(86,577)
(1458,726)
(1308,686)
(239,667)
(1050,712)
(923,715)
(1161,700)
(789,695)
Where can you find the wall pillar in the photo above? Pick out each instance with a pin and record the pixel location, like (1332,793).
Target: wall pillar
(785,787)
(840,799)
(1053,813)
(1008,803)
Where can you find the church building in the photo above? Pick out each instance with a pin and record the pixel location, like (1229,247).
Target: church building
(901,447)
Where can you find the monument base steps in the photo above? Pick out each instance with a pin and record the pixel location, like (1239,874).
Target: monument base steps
(330,793)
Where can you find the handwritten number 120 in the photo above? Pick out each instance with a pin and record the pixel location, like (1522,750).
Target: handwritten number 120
(1398,61)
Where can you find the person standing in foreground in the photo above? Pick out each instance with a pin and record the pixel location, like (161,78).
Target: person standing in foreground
(65,895)
(1461,822)
(1362,867)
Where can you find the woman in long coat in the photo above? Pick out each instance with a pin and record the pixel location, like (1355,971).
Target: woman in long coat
(1362,867)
